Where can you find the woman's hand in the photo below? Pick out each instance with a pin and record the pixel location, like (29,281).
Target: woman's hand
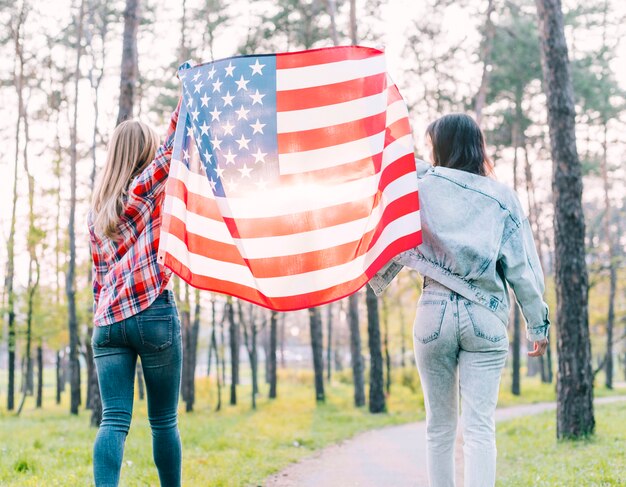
(540,348)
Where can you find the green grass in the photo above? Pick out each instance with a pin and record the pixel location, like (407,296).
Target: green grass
(233,447)
(530,455)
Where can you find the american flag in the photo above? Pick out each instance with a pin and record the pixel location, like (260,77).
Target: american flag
(292,179)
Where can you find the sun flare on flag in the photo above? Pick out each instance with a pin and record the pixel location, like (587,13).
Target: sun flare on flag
(292,178)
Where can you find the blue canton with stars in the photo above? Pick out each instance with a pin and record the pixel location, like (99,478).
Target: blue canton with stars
(230,112)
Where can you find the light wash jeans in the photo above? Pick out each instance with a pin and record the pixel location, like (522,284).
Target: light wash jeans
(154,335)
(460,349)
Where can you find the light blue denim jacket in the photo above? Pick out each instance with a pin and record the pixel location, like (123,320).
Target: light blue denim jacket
(476,239)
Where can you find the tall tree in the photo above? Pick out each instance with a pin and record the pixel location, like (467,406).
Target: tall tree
(486,47)
(355,350)
(271,370)
(233,337)
(575,417)
(70,279)
(130,69)
(377,383)
(317,347)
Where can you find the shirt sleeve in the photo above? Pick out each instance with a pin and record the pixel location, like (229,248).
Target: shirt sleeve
(522,270)
(152,179)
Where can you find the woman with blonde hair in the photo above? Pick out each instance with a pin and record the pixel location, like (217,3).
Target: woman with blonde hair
(134,310)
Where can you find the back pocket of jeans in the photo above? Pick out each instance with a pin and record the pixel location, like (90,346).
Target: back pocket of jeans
(485,323)
(101,336)
(155,331)
(428,320)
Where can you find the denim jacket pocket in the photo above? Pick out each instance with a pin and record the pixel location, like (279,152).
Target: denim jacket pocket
(156,332)
(101,336)
(428,319)
(485,323)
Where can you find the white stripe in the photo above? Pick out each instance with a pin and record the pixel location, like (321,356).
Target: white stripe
(314,240)
(307,282)
(298,197)
(329,115)
(396,111)
(328,73)
(336,155)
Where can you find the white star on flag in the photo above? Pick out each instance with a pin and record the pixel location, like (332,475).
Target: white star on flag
(205,101)
(230,157)
(228,99)
(245,171)
(217,86)
(259,156)
(258,127)
(215,114)
(205,128)
(257,98)
(257,68)
(228,128)
(216,143)
(242,113)
(229,69)
(243,142)
(242,84)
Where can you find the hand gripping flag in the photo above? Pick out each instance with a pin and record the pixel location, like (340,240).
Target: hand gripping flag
(292,179)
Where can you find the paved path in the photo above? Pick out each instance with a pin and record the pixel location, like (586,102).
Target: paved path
(394,456)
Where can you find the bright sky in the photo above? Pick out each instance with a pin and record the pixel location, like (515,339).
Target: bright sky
(157,47)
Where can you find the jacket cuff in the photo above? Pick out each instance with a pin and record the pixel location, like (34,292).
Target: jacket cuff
(537,333)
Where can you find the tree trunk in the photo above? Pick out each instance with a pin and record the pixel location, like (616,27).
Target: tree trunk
(272,356)
(59,377)
(216,355)
(355,350)
(192,352)
(331,6)
(317,347)
(329,340)
(354,38)
(516,344)
(386,346)
(377,387)
(70,279)
(575,417)
(39,400)
(282,329)
(485,56)
(141,387)
(234,352)
(130,70)
(610,320)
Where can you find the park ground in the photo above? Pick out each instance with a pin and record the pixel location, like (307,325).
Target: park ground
(237,446)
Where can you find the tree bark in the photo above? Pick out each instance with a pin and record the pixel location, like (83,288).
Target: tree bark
(59,378)
(575,416)
(377,387)
(355,350)
(485,56)
(272,356)
(130,70)
(70,279)
(354,37)
(386,346)
(516,321)
(329,340)
(233,334)
(317,347)
(39,400)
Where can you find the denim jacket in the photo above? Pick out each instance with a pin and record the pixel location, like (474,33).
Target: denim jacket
(476,241)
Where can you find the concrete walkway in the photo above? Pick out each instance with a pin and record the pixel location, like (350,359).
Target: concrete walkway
(394,456)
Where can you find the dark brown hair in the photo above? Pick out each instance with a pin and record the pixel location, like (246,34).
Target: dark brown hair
(458,143)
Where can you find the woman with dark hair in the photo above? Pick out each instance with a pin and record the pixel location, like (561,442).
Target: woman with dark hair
(476,243)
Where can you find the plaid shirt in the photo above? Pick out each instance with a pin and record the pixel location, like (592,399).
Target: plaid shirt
(126,275)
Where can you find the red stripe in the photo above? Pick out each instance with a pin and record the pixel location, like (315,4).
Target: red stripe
(330,94)
(393,95)
(286,60)
(306,140)
(194,203)
(406,242)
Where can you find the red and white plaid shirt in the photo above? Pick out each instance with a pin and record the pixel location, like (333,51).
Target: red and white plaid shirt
(126,275)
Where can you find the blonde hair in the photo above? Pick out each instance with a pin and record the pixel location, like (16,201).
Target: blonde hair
(131,149)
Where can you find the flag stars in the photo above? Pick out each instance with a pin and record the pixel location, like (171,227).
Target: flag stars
(197,87)
(257,68)
(189,102)
(228,128)
(219,171)
(243,142)
(242,113)
(189,131)
(195,114)
(259,156)
(229,69)
(228,99)
(257,127)
(207,156)
(198,142)
(230,157)
(216,143)
(232,185)
(211,73)
(196,76)
(204,128)
(185,154)
(205,100)
(245,171)
(215,114)
(257,98)
(217,86)
(212,183)
(242,84)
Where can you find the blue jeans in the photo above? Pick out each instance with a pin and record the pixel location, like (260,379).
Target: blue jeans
(154,335)
(460,348)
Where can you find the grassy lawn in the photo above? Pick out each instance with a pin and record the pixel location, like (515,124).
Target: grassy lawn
(530,455)
(237,446)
